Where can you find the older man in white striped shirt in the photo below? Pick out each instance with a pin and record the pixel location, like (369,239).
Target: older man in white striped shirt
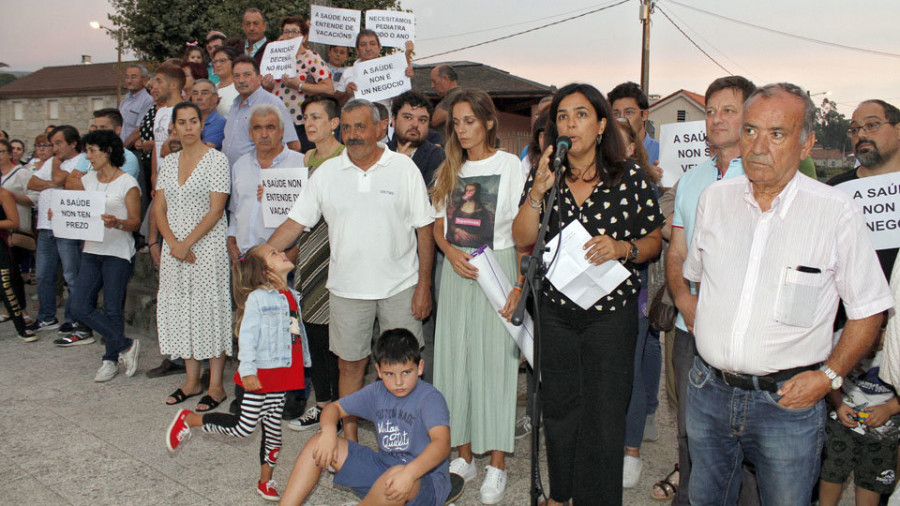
(773,252)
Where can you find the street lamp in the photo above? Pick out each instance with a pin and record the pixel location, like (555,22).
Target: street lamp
(117,33)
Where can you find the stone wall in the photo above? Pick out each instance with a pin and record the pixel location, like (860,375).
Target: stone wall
(75,111)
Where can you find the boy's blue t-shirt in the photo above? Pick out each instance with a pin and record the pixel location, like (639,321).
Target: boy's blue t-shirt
(402,423)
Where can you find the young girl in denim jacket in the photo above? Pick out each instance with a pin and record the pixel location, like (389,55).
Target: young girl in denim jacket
(272,354)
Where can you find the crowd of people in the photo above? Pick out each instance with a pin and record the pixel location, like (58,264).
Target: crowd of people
(775,301)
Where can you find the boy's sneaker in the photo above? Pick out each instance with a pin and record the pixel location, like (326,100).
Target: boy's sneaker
(309,420)
(178,431)
(108,370)
(267,490)
(462,468)
(38,326)
(523,427)
(74,339)
(129,359)
(67,328)
(493,486)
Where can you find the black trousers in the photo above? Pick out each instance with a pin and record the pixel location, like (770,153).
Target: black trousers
(12,289)
(587,369)
(324,363)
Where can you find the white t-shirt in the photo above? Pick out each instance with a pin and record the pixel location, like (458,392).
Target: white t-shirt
(484,203)
(116,243)
(372,218)
(46,173)
(161,130)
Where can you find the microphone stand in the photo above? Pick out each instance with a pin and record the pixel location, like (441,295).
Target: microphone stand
(532,266)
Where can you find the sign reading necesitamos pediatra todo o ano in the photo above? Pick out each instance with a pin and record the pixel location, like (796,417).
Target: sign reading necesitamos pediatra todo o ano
(76,214)
(333,26)
(382,78)
(878,198)
(682,146)
(281,187)
(394,28)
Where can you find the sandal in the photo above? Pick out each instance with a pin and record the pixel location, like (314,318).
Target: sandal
(180,397)
(666,486)
(28,336)
(209,402)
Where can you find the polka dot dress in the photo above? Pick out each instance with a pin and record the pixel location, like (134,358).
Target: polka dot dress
(194,304)
(310,69)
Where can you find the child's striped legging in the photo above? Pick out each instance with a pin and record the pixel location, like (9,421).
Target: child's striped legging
(254,407)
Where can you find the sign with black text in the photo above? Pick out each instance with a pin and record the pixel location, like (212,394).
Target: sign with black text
(280,58)
(382,78)
(682,146)
(333,26)
(281,187)
(76,214)
(878,198)
(394,28)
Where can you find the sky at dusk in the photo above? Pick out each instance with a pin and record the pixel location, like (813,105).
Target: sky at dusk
(603,48)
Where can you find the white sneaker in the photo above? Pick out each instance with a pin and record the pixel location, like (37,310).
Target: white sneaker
(462,468)
(129,359)
(631,471)
(107,371)
(493,486)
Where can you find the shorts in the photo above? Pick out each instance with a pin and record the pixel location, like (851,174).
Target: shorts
(364,466)
(872,459)
(351,322)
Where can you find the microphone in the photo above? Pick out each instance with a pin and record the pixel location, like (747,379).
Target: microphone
(563,144)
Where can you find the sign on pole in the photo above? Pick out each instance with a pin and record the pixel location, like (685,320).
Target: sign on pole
(393,28)
(76,214)
(682,146)
(333,26)
(280,58)
(382,78)
(877,198)
(281,187)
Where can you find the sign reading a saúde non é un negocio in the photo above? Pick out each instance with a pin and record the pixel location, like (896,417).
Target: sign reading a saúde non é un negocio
(382,78)
(878,198)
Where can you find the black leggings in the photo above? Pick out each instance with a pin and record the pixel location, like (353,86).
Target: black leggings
(325,364)
(12,289)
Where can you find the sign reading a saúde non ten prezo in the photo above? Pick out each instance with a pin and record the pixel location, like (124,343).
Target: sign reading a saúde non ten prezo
(281,187)
(382,78)
(76,214)
(682,146)
(878,197)
(394,28)
(280,58)
(333,26)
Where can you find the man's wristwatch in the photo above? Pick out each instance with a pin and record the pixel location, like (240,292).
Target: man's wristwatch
(834,377)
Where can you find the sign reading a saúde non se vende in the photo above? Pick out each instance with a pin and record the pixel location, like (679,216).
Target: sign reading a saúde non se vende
(682,146)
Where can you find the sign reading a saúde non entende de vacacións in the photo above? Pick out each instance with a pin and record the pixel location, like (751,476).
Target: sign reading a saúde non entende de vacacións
(682,146)
(878,197)
(281,187)
(280,58)
(382,78)
(76,214)
(333,26)
(394,28)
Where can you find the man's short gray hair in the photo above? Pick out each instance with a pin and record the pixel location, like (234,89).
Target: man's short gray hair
(142,69)
(809,109)
(207,81)
(266,109)
(356,103)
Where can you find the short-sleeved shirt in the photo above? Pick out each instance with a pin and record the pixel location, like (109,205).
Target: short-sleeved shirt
(46,173)
(131,167)
(372,218)
(161,130)
(311,69)
(625,211)
(17,183)
(133,108)
(652,147)
(402,423)
(237,128)
(116,243)
(214,129)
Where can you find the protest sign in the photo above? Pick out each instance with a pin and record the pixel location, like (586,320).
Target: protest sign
(682,146)
(280,189)
(382,78)
(76,214)
(280,58)
(877,197)
(332,26)
(393,28)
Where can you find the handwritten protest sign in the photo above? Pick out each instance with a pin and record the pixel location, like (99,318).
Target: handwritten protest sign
(878,198)
(76,214)
(393,28)
(382,78)
(682,146)
(280,189)
(280,58)
(332,26)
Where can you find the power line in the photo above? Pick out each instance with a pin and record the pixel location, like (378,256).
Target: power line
(787,34)
(692,41)
(708,43)
(524,32)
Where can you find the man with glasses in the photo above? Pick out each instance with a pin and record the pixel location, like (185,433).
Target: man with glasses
(214,41)
(135,104)
(628,101)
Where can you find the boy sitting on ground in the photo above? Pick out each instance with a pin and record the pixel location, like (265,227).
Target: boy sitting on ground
(413,429)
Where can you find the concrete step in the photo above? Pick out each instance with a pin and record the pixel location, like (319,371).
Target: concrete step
(140,302)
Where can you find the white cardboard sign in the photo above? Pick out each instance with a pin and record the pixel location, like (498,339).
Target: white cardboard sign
(682,146)
(76,214)
(333,26)
(878,197)
(280,58)
(382,78)
(394,28)
(281,187)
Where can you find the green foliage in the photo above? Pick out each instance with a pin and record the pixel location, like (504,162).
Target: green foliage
(6,79)
(831,127)
(158,29)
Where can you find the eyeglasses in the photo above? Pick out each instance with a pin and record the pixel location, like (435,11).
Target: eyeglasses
(220,61)
(291,31)
(868,127)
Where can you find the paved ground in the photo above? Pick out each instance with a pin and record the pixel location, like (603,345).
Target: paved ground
(69,440)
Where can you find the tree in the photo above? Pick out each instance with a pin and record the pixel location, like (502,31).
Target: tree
(6,79)
(158,29)
(831,127)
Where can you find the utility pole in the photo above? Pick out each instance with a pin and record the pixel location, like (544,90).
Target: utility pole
(646,9)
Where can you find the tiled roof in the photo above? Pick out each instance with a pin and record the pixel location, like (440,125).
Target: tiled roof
(68,80)
(699,100)
(496,82)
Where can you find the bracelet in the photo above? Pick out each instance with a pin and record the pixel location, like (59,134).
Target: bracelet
(517,287)
(157,243)
(537,205)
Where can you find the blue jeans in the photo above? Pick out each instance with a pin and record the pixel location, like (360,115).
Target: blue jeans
(725,425)
(651,367)
(49,252)
(110,274)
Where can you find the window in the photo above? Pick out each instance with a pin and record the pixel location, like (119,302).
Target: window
(97,104)
(53,109)
(18,111)
(682,115)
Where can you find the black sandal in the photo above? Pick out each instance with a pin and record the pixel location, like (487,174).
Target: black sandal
(209,401)
(180,397)
(28,336)
(665,485)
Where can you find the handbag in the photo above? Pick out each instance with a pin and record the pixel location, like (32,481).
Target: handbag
(22,240)
(662,310)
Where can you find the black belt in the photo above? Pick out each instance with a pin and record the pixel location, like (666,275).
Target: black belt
(769,382)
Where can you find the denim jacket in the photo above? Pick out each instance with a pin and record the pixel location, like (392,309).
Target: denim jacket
(265,336)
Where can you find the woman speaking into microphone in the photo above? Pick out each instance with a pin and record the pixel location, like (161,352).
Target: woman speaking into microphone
(588,354)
